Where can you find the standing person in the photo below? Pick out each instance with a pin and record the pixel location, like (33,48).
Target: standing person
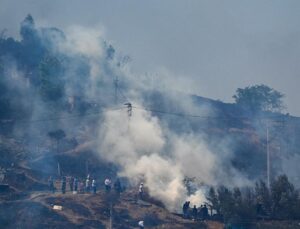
(141,224)
(195,212)
(87,185)
(141,191)
(184,210)
(107,184)
(201,212)
(187,209)
(81,187)
(51,184)
(71,182)
(63,185)
(75,184)
(94,187)
(205,212)
(117,186)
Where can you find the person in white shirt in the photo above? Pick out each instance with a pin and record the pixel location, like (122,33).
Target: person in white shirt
(107,184)
(141,224)
(141,190)
(94,187)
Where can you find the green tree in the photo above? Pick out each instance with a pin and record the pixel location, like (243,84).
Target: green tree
(259,98)
(212,197)
(263,198)
(227,204)
(285,199)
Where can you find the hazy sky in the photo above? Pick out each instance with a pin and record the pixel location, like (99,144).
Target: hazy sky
(211,47)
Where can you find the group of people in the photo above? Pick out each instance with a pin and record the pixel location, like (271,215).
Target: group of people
(90,185)
(81,186)
(196,213)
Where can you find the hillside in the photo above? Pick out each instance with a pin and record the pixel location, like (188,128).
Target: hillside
(88,211)
(71,107)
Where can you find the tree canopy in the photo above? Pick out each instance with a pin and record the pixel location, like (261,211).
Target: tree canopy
(259,98)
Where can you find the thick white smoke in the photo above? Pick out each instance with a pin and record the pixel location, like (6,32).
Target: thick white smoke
(146,152)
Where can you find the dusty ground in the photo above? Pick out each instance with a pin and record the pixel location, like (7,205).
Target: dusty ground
(35,210)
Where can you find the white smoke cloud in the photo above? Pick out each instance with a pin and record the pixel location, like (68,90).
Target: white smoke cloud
(147,152)
(137,146)
(83,41)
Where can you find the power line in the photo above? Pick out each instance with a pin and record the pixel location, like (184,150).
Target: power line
(140,108)
(59,118)
(200,116)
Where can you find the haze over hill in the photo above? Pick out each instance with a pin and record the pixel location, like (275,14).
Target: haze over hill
(70,97)
(207,47)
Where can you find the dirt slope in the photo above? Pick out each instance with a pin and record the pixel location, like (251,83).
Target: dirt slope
(89,211)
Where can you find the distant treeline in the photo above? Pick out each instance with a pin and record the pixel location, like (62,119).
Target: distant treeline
(245,206)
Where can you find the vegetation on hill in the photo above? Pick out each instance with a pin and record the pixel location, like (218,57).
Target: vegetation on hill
(54,91)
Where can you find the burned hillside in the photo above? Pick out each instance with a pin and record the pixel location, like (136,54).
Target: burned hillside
(72,108)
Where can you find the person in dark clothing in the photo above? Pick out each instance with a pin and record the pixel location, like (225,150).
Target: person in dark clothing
(185,209)
(195,213)
(205,212)
(71,182)
(63,185)
(117,186)
(201,212)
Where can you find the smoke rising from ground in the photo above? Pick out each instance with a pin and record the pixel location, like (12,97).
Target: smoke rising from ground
(161,151)
(145,151)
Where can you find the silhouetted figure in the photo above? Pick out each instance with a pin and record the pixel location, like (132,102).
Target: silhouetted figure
(185,209)
(63,185)
(71,181)
(201,212)
(117,186)
(205,212)
(188,207)
(195,213)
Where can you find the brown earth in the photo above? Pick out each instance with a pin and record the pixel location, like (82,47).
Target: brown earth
(35,210)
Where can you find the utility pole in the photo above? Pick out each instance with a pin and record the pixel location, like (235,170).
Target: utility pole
(129,109)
